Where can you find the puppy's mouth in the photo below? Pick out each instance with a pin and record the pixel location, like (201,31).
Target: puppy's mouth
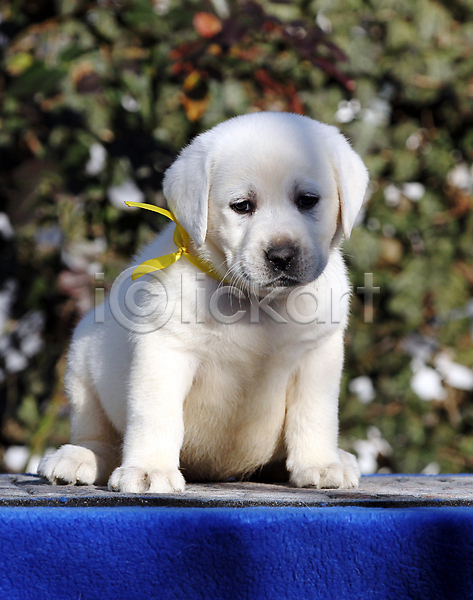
(281,281)
(284,281)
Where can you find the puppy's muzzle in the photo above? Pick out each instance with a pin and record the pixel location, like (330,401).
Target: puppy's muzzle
(281,257)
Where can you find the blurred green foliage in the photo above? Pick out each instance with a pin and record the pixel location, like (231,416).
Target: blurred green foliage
(97,98)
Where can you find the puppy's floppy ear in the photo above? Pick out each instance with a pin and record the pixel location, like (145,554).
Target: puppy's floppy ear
(351,177)
(186,187)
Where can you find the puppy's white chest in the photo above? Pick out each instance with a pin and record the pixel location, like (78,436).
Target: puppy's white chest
(234,413)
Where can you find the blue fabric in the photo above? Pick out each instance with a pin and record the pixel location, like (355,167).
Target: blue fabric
(220,553)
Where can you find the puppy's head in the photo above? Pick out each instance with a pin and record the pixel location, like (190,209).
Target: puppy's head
(263,196)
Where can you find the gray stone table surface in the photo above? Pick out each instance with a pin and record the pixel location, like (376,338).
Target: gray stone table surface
(374,491)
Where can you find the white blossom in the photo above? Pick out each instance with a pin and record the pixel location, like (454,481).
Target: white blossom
(18,459)
(15,361)
(81,255)
(15,458)
(461,177)
(6,230)
(378,112)
(413,191)
(130,104)
(368,450)
(392,195)
(427,382)
(7,297)
(432,468)
(363,388)
(221,7)
(455,375)
(324,22)
(126,191)
(414,141)
(347,110)
(97,160)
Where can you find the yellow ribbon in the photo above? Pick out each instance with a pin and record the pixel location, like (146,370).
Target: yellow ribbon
(181,239)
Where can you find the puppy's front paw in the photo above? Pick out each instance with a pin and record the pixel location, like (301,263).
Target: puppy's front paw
(343,474)
(70,464)
(136,480)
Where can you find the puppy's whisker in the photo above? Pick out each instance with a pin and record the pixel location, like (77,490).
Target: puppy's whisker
(337,271)
(230,275)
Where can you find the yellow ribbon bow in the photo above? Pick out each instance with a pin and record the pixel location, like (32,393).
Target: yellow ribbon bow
(181,239)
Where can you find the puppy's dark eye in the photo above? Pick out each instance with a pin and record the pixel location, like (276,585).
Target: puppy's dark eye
(307,201)
(243,207)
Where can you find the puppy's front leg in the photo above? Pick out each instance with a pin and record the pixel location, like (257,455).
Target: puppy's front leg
(314,458)
(160,380)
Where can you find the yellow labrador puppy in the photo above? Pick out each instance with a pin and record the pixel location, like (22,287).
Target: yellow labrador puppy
(215,366)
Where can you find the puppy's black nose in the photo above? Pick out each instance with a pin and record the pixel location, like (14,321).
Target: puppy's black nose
(281,257)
